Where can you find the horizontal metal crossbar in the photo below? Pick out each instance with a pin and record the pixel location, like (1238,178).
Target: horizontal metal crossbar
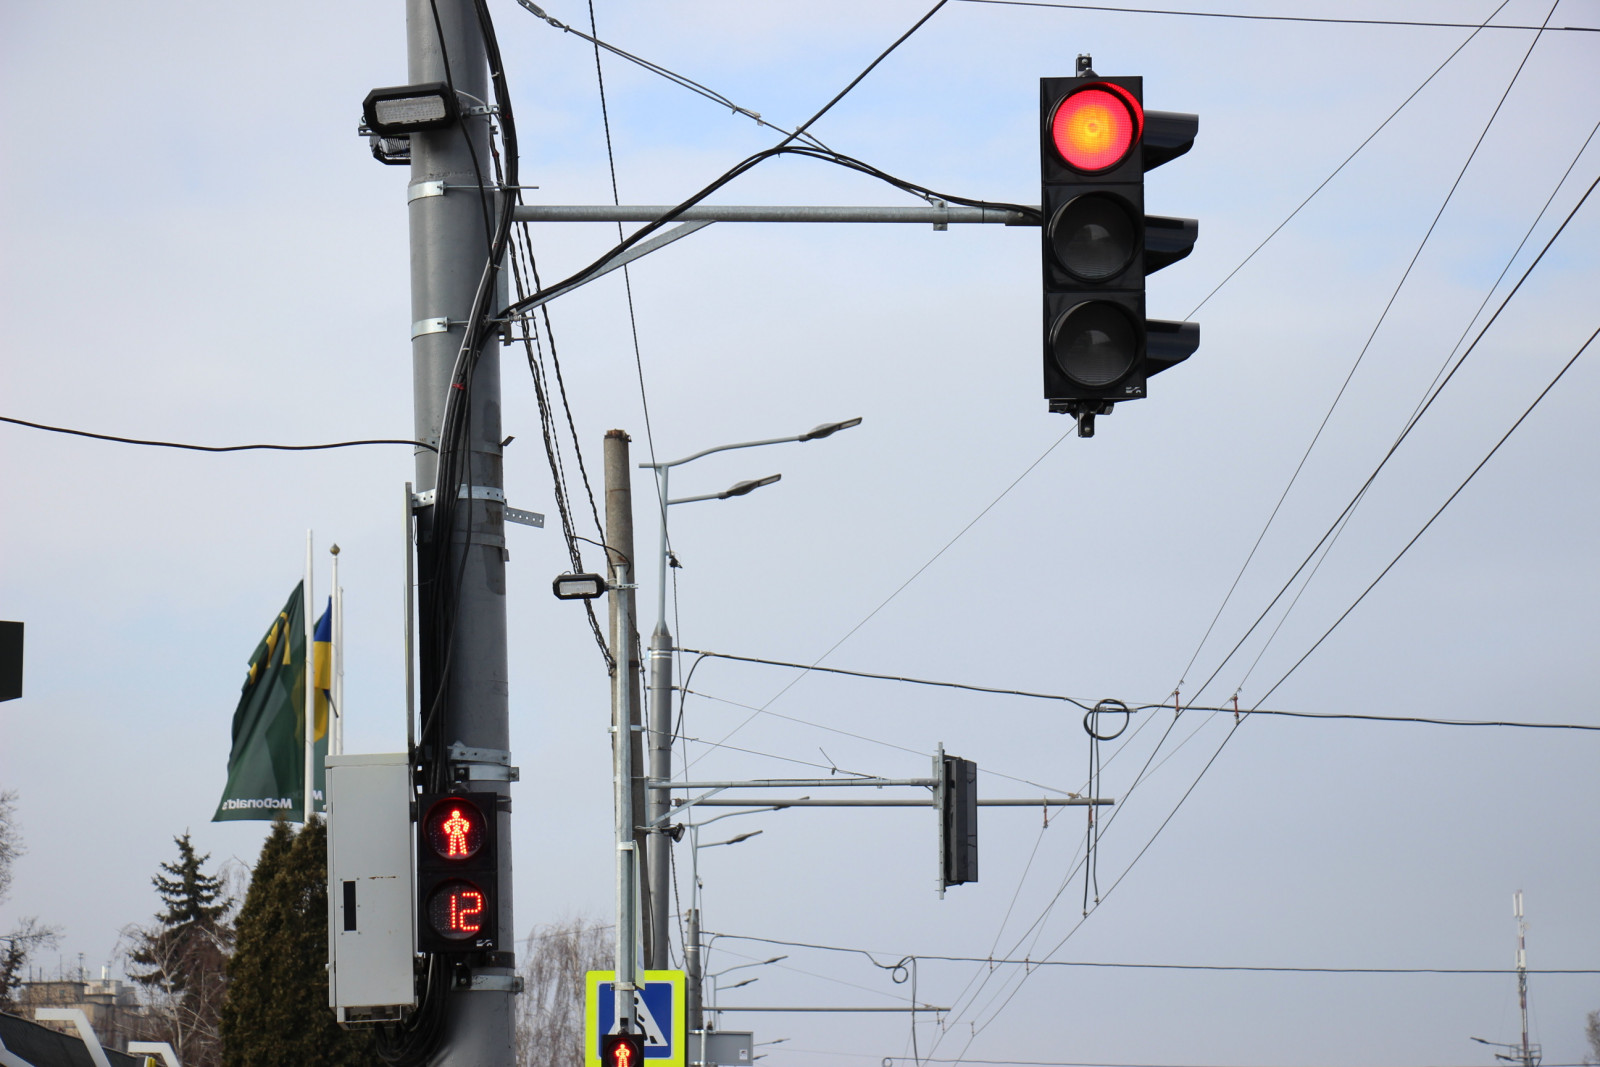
(938,216)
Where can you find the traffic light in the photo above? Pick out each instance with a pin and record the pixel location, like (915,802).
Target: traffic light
(958,822)
(621,1050)
(458,902)
(1096,143)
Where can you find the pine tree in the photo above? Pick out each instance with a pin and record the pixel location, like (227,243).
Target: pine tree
(181,959)
(277,1008)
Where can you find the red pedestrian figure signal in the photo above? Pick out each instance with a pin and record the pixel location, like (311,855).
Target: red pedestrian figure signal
(622,1050)
(455,828)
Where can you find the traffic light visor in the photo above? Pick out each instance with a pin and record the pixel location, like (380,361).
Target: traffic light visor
(455,828)
(1096,127)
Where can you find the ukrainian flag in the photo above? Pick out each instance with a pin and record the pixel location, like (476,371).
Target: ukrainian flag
(322,669)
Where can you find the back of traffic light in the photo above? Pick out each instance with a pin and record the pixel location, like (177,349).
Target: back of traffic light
(1096,143)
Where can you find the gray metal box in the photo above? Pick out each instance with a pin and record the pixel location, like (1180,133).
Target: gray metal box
(720,1048)
(371,910)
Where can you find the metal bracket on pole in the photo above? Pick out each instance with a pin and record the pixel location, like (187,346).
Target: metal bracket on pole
(526,518)
(482,765)
(418,190)
(471,492)
(496,983)
(423,327)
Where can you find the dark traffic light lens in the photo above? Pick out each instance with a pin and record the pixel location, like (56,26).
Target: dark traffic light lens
(1093,237)
(1094,344)
(1096,127)
(455,828)
(457,910)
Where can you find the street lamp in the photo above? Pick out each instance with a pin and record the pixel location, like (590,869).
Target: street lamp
(659,732)
(717,989)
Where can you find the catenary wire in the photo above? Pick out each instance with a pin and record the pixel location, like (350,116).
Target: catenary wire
(1254,548)
(216,448)
(1220,709)
(1404,434)
(995,1013)
(902,586)
(939,957)
(1373,334)
(670,75)
(1464,483)
(1270,18)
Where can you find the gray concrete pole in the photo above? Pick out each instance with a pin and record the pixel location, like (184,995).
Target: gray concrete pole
(449,250)
(659,845)
(624,717)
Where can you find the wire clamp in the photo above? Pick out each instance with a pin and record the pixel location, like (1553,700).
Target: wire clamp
(496,983)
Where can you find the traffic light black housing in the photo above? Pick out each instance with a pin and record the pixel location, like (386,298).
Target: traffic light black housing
(1096,143)
(458,889)
(621,1050)
(958,822)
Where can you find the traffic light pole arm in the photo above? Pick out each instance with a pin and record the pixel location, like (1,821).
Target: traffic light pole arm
(812,802)
(938,215)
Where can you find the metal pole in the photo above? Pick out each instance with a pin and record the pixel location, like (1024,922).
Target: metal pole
(336,668)
(464,685)
(692,967)
(624,716)
(310,694)
(1522,977)
(658,841)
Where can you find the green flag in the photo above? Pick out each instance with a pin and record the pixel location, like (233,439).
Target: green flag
(266,768)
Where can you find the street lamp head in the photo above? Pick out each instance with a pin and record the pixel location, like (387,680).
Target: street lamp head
(827,429)
(741,488)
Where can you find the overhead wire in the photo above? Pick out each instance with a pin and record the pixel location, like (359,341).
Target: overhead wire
(1317,436)
(671,75)
(1270,18)
(216,448)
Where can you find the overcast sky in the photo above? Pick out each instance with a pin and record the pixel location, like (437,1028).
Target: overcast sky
(198,247)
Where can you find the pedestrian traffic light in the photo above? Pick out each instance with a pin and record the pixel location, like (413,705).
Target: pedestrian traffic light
(458,903)
(621,1050)
(958,821)
(1096,143)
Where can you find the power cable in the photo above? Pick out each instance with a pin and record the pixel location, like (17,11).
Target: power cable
(1270,18)
(1404,434)
(670,75)
(902,586)
(1294,477)
(936,957)
(1464,483)
(216,448)
(1087,705)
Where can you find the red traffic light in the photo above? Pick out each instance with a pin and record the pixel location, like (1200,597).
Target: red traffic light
(1096,127)
(621,1050)
(454,828)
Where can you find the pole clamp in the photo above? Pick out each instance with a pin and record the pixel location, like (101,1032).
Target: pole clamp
(467,492)
(424,327)
(496,983)
(482,764)
(418,190)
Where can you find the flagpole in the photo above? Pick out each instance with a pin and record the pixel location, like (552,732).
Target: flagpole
(336,741)
(311,688)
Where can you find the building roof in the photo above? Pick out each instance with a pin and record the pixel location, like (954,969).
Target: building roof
(39,1046)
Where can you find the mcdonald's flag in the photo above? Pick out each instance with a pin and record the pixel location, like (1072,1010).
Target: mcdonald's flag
(266,767)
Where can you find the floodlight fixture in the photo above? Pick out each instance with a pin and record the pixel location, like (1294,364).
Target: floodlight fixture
(402,109)
(578,586)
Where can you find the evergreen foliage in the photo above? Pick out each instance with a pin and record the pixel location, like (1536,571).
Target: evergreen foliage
(181,959)
(277,1013)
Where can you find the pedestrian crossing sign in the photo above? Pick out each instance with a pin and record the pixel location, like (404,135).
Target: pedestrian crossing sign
(658,1004)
